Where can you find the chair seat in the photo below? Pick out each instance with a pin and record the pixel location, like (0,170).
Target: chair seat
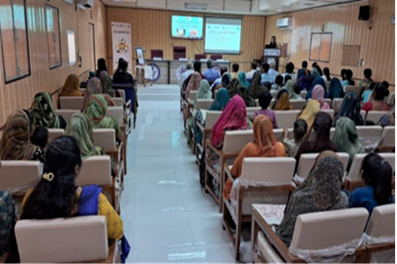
(266,250)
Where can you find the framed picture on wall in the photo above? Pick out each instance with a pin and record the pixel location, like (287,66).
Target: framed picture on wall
(139,55)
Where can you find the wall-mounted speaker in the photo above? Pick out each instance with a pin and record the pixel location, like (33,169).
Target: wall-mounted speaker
(364,13)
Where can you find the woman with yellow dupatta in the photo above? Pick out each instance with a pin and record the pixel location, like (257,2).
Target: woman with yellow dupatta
(71,86)
(283,101)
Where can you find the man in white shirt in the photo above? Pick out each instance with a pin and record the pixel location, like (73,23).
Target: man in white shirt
(186,74)
(272,72)
(254,68)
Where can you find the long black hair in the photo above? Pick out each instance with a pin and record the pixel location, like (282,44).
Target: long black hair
(327,73)
(57,197)
(377,173)
(101,66)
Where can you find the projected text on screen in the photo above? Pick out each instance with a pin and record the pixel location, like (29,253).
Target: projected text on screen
(222,35)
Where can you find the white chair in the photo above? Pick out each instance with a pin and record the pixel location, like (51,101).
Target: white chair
(380,235)
(204,104)
(206,129)
(374,116)
(66,113)
(306,163)
(391,98)
(388,137)
(353,179)
(369,136)
(117,112)
(53,133)
(262,180)
(331,112)
(303,94)
(336,104)
(233,143)
(71,102)
(192,96)
(328,101)
(352,88)
(297,104)
(327,85)
(286,119)
(251,112)
(363,114)
(119,101)
(340,227)
(75,239)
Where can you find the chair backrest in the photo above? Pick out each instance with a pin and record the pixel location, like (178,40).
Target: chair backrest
(236,140)
(71,102)
(338,226)
(119,101)
(374,116)
(278,170)
(212,117)
(122,94)
(204,104)
(363,114)
(369,131)
(352,88)
(17,176)
(156,54)
(274,93)
(388,137)
(95,170)
(179,52)
(215,57)
(336,104)
(286,119)
(328,101)
(355,168)
(66,113)
(306,163)
(382,221)
(105,138)
(331,133)
(278,134)
(117,112)
(391,98)
(251,111)
(298,104)
(303,94)
(331,112)
(53,133)
(74,239)
(192,95)
(200,56)
(327,85)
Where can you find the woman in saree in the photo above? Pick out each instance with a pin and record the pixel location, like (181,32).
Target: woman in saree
(94,86)
(318,94)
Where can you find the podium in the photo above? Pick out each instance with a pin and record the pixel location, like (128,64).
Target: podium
(272,54)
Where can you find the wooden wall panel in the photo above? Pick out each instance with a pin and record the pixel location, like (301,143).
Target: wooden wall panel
(19,94)
(151,29)
(377,44)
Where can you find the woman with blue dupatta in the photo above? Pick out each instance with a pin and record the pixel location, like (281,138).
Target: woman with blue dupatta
(57,196)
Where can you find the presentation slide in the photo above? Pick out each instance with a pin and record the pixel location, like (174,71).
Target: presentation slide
(222,35)
(187,27)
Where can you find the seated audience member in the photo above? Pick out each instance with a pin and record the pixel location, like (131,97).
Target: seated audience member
(282,101)
(343,76)
(367,78)
(317,81)
(278,83)
(8,220)
(264,101)
(272,71)
(15,141)
(197,68)
(40,137)
(186,74)
(101,67)
(349,77)
(322,129)
(286,79)
(386,85)
(254,69)
(316,71)
(351,108)
(335,89)
(71,86)
(310,111)
(267,86)
(289,86)
(327,75)
(377,174)
(289,71)
(292,145)
(121,75)
(243,80)
(43,112)
(211,74)
(266,77)
(96,113)
(378,103)
(57,196)
(256,88)
(264,145)
(303,71)
(94,86)
(234,87)
(79,127)
(235,68)
(366,95)
(193,85)
(318,94)
(297,92)
(106,83)
(321,191)
(346,139)
(218,82)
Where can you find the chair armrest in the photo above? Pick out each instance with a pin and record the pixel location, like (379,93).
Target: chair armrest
(201,127)
(128,105)
(384,149)
(228,172)
(217,151)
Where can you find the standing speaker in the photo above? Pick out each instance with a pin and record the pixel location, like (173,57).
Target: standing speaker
(364,13)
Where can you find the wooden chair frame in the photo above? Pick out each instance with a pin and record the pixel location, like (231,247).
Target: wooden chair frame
(239,219)
(201,146)
(258,223)
(377,248)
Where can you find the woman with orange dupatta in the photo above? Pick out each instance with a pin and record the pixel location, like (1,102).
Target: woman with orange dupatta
(71,86)
(264,145)
(193,85)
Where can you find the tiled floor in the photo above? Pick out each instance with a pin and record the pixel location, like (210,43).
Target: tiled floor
(167,216)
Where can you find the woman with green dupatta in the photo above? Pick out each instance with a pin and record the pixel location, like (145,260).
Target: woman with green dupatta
(43,112)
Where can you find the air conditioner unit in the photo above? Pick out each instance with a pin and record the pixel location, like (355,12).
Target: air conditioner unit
(87,3)
(284,23)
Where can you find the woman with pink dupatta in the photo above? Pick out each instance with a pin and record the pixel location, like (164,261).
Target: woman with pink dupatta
(318,94)
(193,85)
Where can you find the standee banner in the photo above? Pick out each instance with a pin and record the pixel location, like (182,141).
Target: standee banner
(122,46)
